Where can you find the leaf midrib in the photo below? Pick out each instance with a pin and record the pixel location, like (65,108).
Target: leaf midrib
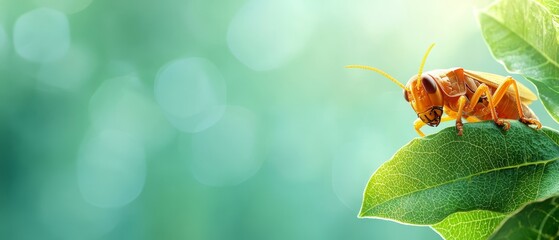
(473,221)
(544,162)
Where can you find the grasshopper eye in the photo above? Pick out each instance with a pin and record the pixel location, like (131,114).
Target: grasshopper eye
(429,84)
(406,96)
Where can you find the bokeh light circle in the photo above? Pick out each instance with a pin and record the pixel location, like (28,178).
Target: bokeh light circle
(226,154)
(42,35)
(111,169)
(264,35)
(125,104)
(192,93)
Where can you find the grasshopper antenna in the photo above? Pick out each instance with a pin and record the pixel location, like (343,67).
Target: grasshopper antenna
(423,64)
(386,75)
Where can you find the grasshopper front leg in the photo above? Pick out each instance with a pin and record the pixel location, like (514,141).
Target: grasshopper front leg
(418,124)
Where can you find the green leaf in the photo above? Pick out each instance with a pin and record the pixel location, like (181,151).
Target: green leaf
(522,35)
(537,220)
(485,169)
(472,225)
(553,7)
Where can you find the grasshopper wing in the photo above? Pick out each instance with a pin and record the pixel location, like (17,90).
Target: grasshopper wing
(494,80)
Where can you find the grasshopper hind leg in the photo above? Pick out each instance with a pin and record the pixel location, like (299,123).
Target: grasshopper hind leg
(525,114)
(529,118)
(531,121)
(483,91)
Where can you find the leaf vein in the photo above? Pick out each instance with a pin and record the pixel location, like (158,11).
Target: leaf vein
(526,164)
(525,40)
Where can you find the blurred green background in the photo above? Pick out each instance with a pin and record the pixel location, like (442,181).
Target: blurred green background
(203,119)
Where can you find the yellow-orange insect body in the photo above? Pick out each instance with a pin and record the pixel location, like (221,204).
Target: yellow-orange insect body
(466,94)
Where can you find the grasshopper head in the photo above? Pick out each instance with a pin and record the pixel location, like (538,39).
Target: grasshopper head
(425,98)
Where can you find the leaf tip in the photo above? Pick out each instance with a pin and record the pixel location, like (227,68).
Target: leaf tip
(361,214)
(364,212)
